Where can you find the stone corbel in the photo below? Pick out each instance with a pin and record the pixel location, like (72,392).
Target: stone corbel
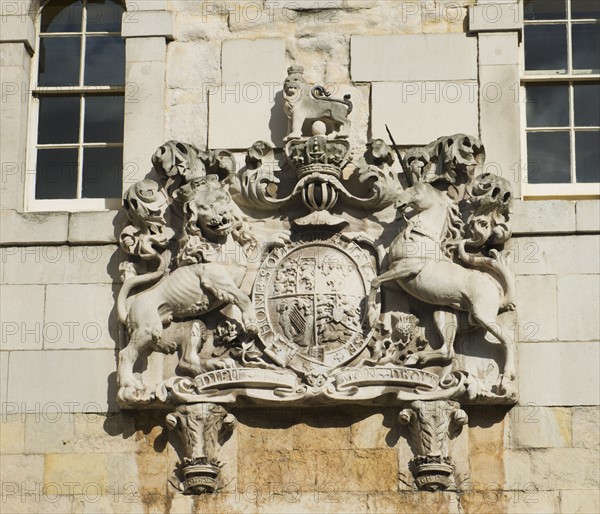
(201,427)
(432,424)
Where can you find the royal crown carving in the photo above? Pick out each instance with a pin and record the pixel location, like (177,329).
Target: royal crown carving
(328,275)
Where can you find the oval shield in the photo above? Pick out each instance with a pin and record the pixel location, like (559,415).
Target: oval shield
(311,303)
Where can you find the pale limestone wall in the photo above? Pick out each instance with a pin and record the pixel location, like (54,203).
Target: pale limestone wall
(65,445)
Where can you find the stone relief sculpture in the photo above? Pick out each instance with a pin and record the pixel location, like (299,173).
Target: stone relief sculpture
(305,105)
(325,275)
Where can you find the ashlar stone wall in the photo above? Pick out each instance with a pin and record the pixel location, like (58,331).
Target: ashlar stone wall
(210,73)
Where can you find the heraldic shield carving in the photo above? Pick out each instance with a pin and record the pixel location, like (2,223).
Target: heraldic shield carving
(317,274)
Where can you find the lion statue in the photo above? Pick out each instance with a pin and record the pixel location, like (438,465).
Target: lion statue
(303,103)
(209,274)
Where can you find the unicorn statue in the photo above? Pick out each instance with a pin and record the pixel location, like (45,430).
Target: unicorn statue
(444,260)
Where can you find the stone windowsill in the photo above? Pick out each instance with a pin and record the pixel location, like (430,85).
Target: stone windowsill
(60,227)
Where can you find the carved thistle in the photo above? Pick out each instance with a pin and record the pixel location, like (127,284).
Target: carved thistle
(320,273)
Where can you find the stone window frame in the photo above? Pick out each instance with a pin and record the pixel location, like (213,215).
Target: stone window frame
(148,26)
(76,204)
(561,190)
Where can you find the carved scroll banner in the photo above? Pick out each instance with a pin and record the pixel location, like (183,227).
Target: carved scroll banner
(320,273)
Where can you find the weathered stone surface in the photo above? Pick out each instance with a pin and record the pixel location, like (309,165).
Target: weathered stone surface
(544,216)
(76,471)
(12,54)
(4,356)
(499,118)
(579,502)
(264,430)
(187,119)
(23,469)
(234,503)
(80,316)
(493,500)
(108,433)
(411,502)
(578,307)
(60,265)
(193,27)
(415,58)
(258,61)
(556,469)
(495,16)
(34,502)
(517,468)
(570,373)
(318,502)
(22,314)
(453,106)
(18,29)
(538,317)
(39,228)
(588,215)
(302,5)
(149,24)
(249,104)
(486,447)
(145,5)
(369,432)
(13,131)
(144,117)
(261,468)
(540,427)
(12,428)
(123,501)
(51,390)
(146,49)
(50,432)
(322,434)
(546,255)
(332,67)
(586,421)
(95,227)
(358,470)
(200,61)
(498,49)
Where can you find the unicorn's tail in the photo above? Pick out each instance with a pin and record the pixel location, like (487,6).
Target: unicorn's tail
(495,267)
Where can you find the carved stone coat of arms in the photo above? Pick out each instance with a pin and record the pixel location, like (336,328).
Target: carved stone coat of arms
(318,274)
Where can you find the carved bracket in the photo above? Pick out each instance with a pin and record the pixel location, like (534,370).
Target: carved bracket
(432,424)
(201,427)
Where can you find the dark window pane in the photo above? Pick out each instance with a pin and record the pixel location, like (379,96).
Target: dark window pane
(545,10)
(62,16)
(103,119)
(548,105)
(59,119)
(59,61)
(56,174)
(546,48)
(587,104)
(548,158)
(102,172)
(587,156)
(585,9)
(105,61)
(586,47)
(104,16)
